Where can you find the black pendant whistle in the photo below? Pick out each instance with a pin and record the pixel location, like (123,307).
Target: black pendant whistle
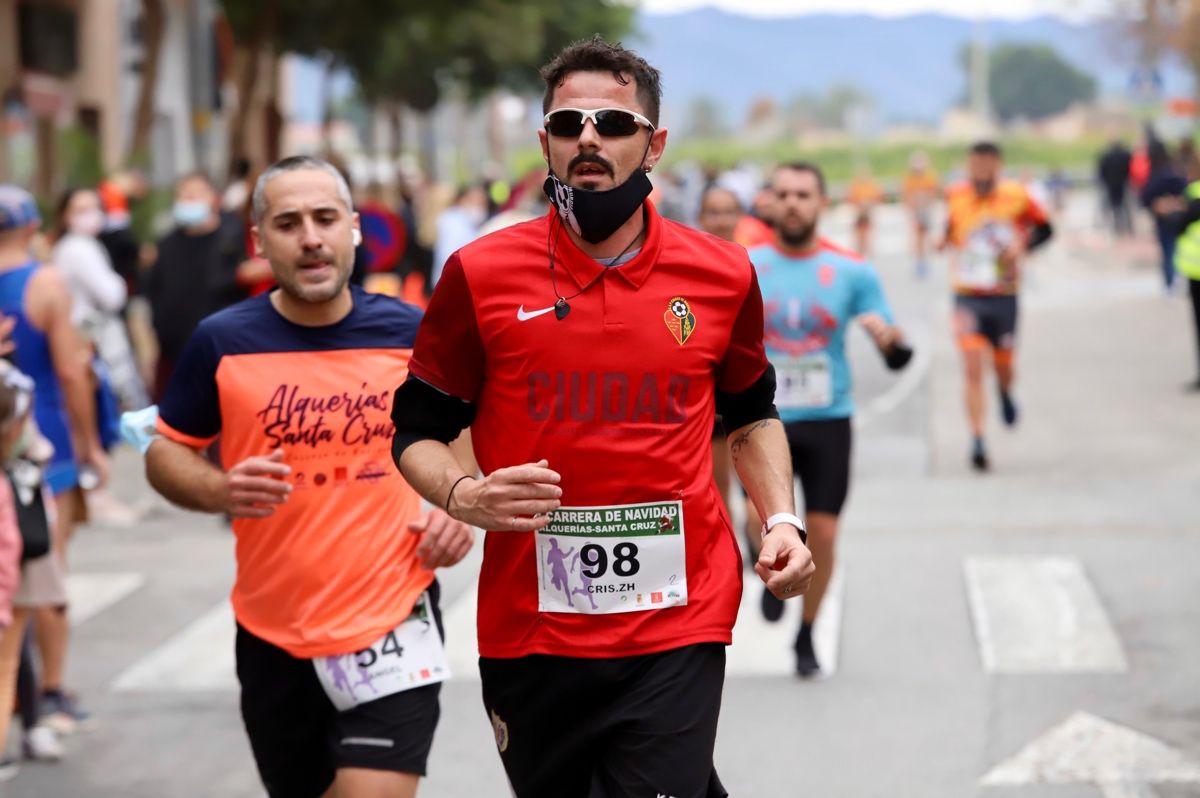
(561,309)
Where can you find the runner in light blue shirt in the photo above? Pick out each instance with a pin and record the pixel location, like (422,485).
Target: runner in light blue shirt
(812,290)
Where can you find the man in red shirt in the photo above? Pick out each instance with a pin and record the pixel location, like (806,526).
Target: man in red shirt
(588,350)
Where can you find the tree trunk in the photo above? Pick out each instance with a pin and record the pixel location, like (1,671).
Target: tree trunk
(1151,49)
(272,118)
(396,120)
(327,108)
(45,136)
(495,130)
(153,27)
(245,65)
(428,146)
(9,83)
(5,168)
(246,56)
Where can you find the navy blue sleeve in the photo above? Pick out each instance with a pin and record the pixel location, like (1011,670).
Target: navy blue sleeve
(191,408)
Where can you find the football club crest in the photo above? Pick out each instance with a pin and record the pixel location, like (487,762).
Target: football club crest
(501,729)
(680,319)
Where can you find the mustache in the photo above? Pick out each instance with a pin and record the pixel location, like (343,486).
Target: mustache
(592,158)
(316,260)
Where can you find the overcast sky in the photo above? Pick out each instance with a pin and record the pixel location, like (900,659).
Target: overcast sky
(1011,9)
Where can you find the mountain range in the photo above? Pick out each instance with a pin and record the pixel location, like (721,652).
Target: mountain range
(909,65)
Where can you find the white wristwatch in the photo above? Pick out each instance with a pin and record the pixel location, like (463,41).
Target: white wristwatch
(786,518)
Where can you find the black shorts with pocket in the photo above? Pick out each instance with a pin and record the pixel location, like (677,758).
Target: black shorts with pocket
(570,727)
(993,317)
(300,740)
(821,460)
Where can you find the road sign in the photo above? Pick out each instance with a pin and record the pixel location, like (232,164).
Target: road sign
(1085,749)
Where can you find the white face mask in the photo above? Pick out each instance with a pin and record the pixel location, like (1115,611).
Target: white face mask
(476,216)
(87,223)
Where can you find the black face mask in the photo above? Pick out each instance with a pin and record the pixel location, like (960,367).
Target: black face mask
(596,215)
(984,187)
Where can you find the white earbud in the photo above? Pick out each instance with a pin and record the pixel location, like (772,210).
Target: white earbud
(356,236)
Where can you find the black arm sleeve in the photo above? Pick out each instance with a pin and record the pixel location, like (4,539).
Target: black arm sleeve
(753,404)
(898,356)
(422,412)
(1190,216)
(1039,235)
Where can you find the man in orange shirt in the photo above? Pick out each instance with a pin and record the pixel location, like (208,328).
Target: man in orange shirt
(992,224)
(863,194)
(920,191)
(339,662)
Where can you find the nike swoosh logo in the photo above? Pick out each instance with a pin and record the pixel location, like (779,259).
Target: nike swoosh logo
(523,315)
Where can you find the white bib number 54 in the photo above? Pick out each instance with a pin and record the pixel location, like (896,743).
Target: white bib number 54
(409,656)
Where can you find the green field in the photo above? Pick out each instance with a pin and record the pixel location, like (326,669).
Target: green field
(886,161)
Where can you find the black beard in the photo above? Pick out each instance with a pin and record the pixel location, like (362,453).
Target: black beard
(799,239)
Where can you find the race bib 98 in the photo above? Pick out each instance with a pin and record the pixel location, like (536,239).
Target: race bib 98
(617,558)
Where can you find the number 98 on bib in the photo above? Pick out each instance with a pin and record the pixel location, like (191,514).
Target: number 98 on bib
(617,558)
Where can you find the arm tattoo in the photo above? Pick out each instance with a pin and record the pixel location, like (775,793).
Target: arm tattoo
(741,440)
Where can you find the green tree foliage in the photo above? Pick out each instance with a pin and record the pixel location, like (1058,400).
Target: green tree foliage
(406,50)
(478,44)
(1033,81)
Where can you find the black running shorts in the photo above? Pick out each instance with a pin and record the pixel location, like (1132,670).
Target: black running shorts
(569,727)
(992,317)
(300,740)
(821,460)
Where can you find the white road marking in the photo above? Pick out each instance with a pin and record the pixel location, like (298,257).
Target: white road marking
(89,594)
(1127,791)
(1039,615)
(1085,749)
(198,657)
(910,380)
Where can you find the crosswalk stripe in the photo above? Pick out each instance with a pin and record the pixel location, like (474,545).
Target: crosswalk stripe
(1039,615)
(198,657)
(201,655)
(1030,615)
(89,594)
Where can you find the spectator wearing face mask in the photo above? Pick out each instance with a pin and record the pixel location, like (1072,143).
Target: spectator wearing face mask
(195,274)
(459,225)
(95,288)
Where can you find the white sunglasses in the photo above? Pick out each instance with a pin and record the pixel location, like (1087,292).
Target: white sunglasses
(569,122)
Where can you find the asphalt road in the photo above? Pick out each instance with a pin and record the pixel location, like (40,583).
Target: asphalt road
(976,615)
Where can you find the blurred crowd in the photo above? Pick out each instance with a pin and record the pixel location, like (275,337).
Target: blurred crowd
(103,331)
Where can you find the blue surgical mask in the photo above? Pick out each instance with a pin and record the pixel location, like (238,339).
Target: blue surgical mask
(191,214)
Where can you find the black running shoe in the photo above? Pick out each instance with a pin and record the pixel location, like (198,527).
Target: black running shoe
(807,666)
(979,458)
(772,608)
(1008,409)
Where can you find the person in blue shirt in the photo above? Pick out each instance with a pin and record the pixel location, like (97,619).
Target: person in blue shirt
(812,290)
